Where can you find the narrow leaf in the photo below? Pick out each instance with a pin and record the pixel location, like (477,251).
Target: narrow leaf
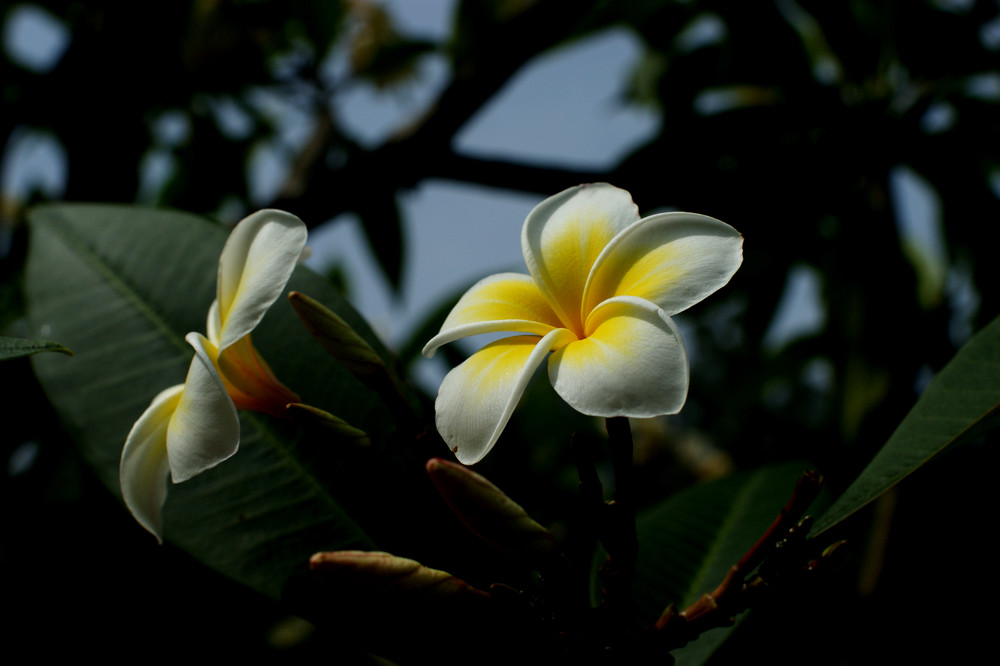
(960,404)
(20,347)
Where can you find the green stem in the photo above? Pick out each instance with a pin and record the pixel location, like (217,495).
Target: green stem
(619,533)
(591,490)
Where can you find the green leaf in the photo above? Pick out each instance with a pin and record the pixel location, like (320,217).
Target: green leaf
(688,543)
(122,286)
(960,404)
(20,347)
(383,229)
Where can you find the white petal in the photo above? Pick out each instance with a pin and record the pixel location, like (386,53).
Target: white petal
(144,468)
(476,398)
(672,259)
(633,363)
(254,267)
(213,327)
(563,236)
(204,429)
(503,303)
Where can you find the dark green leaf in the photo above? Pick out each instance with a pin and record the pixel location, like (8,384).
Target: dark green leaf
(122,286)
(383,227)
(20,347)
(688,543)
(962,403)
(396,62)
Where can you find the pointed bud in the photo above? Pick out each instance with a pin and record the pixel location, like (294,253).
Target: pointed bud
(386,574)
(490,514)
(313,418)
(337,337)
(343,343)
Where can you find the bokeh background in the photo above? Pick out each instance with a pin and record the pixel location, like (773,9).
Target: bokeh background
(856,145)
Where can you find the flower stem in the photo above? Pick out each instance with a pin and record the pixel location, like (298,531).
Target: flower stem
(591,490)
(619,532)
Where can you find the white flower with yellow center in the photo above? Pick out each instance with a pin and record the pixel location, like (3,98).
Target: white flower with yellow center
(603,287)
(193,426)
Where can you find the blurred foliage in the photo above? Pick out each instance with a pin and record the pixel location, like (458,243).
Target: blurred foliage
(796,122)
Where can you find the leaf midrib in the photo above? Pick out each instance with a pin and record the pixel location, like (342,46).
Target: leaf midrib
(131,293)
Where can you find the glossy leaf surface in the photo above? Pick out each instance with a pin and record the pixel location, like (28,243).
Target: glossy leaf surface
(689,542)
(960,404)
(123,286)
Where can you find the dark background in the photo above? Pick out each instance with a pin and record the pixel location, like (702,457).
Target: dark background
(826,101)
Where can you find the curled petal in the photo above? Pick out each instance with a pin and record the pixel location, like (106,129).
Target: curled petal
(673,260)
(632,363)
(504,303)
(213,327)
(476,398)
(204,429)
(144,467)
(563,236)
(254,267)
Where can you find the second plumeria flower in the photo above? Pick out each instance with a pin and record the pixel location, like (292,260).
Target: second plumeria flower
(193,426)
(602,289)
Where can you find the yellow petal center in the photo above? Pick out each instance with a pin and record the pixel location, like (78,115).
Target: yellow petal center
(249,380)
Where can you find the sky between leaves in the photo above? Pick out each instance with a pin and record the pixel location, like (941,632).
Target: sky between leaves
(564,108)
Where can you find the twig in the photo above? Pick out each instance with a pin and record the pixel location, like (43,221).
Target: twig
(731,596)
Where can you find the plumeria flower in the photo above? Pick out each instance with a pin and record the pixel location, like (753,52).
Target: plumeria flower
(604,285)
(193,426)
